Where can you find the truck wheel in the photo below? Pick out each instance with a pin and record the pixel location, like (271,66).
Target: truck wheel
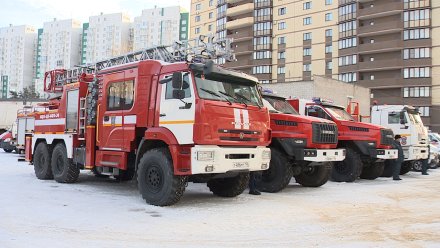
(156,180)
(278,176)
(7,150)
(417,165)
(42,168)
(63,168)
(373,170)
(388,168)
(314,176)
(229,187)
(406,167)
(349,169)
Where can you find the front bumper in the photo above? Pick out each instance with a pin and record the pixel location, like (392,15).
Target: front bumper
(320,155)
(225,159)
(416,153)
(387,153)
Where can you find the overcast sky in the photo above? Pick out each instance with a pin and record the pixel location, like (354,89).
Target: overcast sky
(36,12)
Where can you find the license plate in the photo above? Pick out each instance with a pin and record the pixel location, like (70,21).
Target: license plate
(331,158)
(240,165)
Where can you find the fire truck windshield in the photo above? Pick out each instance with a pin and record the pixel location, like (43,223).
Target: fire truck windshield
(339,113)
(280,105)
(227,90)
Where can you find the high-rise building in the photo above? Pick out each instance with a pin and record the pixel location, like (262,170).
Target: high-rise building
(17,63)
(106,36)
(160,26)
(58,46)
(390,47)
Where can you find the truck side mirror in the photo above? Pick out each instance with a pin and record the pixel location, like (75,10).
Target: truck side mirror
(177,80)
(178,94)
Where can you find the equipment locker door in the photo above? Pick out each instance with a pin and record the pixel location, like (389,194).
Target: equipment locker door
(178,115)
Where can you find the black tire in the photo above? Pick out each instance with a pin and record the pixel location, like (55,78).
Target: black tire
(156,180)
(315,176)
(229,187)
(63,168)
(349,169)
(7,150)
(406,167)
(278,176)
(373,170)
(388,168)
(417,165)
(41,160)
(433,165)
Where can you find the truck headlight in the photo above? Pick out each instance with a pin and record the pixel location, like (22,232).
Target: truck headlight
(205,155)
(266,155)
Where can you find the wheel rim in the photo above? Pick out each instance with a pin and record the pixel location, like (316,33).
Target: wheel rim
(310,170)
(417,165)
(154,178)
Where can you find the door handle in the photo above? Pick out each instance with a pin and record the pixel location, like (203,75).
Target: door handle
(162,115)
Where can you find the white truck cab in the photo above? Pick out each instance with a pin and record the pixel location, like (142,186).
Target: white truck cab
(404,120)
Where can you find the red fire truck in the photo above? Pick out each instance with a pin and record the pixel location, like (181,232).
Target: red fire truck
(152,115)
(302,147)
(367,145)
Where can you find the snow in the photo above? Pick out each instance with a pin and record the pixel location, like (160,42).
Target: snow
(96,212)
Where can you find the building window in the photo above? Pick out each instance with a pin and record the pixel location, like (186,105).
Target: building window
(262,42)
(211,15)
(262,55)
(307,36)
(328,32)
(416,91)
(347,43)
(348,77)
(262,28)
(307,21)
(307,51)
(197,31)
(307,5)
(347,60)
(424,111)
(197,18)
(281,25)
(262,69)
(347,29)
(210,27)
(211,3)
(329,65)
(262,15)
(281,40)
(328,49)
(416,18)
(282,11)
(417,72)
(416,34)
(281,55)
(328,2)
(198,6)
(328,17)
(416,53)
(412,4)
(307,67)
(281,70)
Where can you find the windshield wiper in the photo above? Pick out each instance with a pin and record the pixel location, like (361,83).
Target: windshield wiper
(226,94)
(247,99)
(217,95)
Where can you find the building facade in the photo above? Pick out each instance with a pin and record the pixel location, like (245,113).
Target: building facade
(160,26)
(106,36)
(58,46)
(17,61)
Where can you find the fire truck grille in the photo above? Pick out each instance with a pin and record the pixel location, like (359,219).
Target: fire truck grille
(358,129)
(386,137)
(324,133)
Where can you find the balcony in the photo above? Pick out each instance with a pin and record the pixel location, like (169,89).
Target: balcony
(377,47)
(240,9)
(380,28)
(242,35)
(384,83)
(381,65)
(417,62)
(239,23)
(380,10)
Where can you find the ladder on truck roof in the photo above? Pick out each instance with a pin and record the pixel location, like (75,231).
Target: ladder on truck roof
(193,50)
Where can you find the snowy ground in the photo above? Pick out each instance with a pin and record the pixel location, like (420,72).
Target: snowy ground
(103,213)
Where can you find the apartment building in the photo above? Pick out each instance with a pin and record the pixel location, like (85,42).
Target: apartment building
(106,36)
(160,26)
(17,63)
(391,48)
(58,46)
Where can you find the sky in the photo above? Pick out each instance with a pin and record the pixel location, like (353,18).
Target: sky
(36,12)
